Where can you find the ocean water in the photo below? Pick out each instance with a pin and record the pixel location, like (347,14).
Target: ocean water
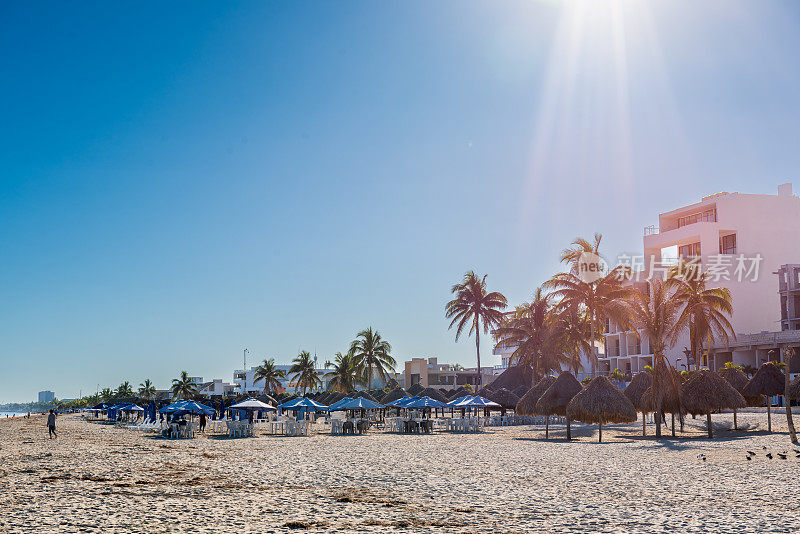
(3,415)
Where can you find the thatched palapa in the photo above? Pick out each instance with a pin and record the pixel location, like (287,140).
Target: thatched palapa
(527,404)
(506,399)
(601,402)
(520,391)
(395,394)
(794,388)
(434,394)
(555,399)
(635,390)
(415,389)
(512,378)
(768,381)
(708,392)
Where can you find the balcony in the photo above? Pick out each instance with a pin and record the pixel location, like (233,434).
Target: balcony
(650,230)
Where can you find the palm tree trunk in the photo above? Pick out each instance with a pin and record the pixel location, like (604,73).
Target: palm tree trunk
(787,399)
(673,425)
(592,356)
(735,426)
(657,417)
(478,350)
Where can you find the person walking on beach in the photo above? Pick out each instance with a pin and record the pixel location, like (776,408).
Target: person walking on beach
(51,424)
(202,422)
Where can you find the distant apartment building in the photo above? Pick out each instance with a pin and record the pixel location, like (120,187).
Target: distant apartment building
(46,396)
(216,388)
(428,372)
(743,240)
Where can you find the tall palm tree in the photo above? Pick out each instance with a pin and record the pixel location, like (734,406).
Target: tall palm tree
(530,331)
(147,390)
(601,299)
(572,255)
(371,353)
(183,387)
(655,312)
(270,374)
(107,394)
(705,309)
(572,335)
(124,390)
(473,305)
(345,375)
(304,372)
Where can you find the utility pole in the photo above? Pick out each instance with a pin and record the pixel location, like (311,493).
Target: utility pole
(244,388)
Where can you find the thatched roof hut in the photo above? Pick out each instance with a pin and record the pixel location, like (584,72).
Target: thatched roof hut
(708,392)
(434,394)
(555,399)
(505,398)
(736,378)
(527,404)
(636,389)
(513,377)
(415,389)
(794,388)
(521,391)
(601,402)
(768,380)
(365,395)
(460,392)
(395,394)
(267,399)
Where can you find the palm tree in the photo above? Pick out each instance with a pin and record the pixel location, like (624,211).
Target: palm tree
(617,375)
(346,373)
(789,353)
(706,310)
(305,372)
(270,374)
(655,312)
(573,335)
(601,299)
(124,390)
(107,394)
(572,255)
(183,387)
(371,353)
(530,330)
(147,390)
(476,307)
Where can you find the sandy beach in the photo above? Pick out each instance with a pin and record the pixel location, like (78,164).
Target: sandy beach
(97,478)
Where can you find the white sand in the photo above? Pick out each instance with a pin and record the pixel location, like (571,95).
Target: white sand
(96,478)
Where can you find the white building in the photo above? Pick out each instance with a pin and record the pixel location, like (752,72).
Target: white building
(216,388)
(743,239)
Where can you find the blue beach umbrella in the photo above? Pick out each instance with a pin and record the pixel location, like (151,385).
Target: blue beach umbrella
(424,402)
(477,402)
(454,402)
(303,403)
(358,403)
(401,403)
(336,405)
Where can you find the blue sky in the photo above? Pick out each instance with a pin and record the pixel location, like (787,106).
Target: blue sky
(182,181)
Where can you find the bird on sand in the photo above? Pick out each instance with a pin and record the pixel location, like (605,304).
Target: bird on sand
(769,455)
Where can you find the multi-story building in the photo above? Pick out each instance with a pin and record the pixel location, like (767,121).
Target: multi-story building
(789,291)
(216,388)
(46,396)
(428,372)
(741,240)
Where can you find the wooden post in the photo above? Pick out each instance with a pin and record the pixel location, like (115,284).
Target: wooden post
(708,422)
(769,413)
(600,433)
(673,425)
(644,424)
(735,426)
(569,434)
(547,427)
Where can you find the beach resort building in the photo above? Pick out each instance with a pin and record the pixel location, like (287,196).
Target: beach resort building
(244,380)
(46,396)
(744,241)
(428,372)
(216,388)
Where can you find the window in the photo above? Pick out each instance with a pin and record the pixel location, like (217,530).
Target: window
(727,244)
(691,250)
(703,216)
